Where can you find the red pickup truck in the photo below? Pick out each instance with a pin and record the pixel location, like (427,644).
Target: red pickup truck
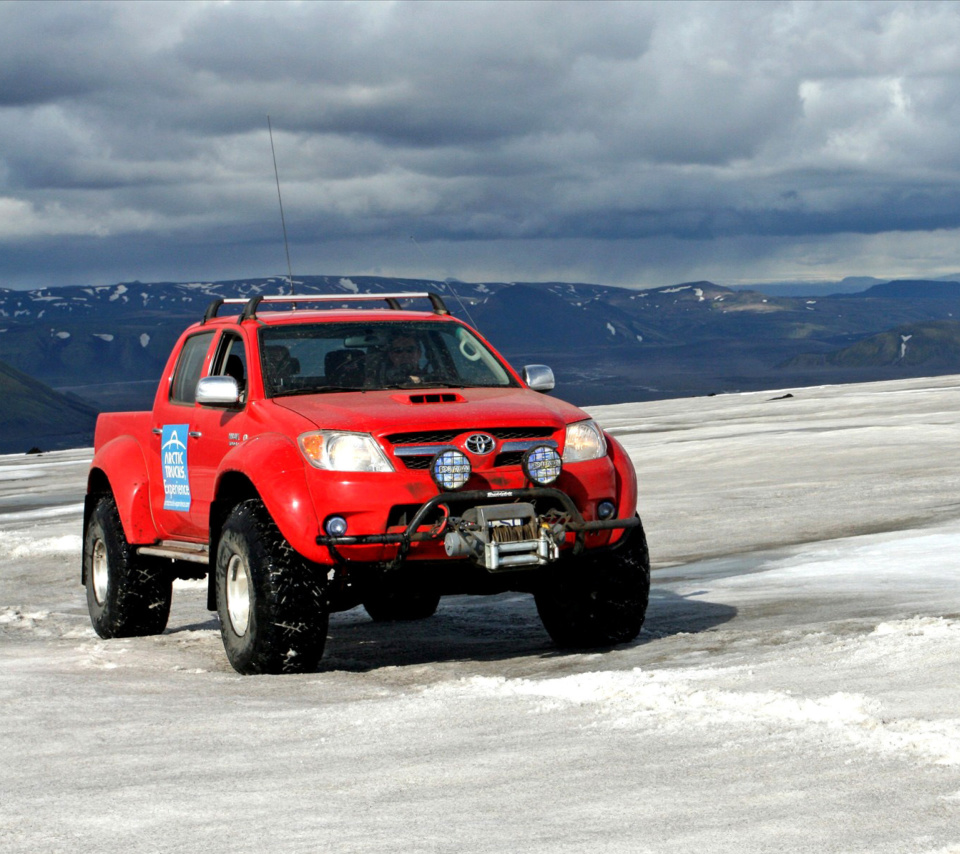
(309,460)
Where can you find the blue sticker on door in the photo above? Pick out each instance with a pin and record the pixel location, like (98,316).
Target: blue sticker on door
(176,476)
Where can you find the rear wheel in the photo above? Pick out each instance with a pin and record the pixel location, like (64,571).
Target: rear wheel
(127,595)
(597,601)
(271,602)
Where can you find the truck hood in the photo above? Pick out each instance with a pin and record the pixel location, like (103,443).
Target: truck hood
(382,412)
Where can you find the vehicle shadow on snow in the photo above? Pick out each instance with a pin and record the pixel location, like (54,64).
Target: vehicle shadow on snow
(670,613)
(495,628)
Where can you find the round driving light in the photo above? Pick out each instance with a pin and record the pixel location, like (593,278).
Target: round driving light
(450,469)
(606,510)
(335,526)
(541,464)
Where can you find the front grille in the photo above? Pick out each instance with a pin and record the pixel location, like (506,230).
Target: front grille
(510,458)
(416,462)
(431,437)
(523,433)
(439,437)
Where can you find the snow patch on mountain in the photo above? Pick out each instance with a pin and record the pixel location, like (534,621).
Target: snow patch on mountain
(903,344)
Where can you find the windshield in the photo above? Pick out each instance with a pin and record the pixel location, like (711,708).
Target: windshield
(326,357)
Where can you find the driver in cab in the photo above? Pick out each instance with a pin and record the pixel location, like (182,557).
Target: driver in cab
(404,354)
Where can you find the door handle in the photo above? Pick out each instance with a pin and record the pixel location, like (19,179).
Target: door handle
(158,431)
(195,434)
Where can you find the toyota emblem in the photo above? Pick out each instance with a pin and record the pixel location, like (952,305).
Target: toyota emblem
(479,443)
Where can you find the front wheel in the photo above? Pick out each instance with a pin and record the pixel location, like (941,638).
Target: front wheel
(272,603)
(127,595)
(597,600)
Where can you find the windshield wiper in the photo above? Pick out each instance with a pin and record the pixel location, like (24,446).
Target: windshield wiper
(427,384)
(325,389)
(439,384)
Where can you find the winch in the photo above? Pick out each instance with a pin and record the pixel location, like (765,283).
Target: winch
(503,536)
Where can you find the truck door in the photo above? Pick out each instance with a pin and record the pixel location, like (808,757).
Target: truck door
(174,443)
(216,429)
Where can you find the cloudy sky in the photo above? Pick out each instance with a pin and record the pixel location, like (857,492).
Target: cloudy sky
(636,144)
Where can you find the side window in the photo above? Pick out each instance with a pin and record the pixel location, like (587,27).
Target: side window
(231,361)
(189,365)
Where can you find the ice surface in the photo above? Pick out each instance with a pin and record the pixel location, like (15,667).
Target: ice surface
(795,687)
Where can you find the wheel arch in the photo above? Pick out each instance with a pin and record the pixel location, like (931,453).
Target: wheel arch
(626,480)
(98,486)
(269,468)
(275,469)
(119,469)
(233,488)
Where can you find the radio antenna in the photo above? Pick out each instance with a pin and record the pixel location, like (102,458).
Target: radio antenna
(283,222)
(447,283)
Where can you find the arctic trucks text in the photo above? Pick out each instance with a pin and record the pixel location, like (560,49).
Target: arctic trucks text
(308,460)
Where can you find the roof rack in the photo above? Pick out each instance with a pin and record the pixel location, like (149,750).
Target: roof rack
(251,304)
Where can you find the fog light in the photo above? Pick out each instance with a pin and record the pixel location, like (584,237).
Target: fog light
(606,510)
(542,464)
(335,526)
(450,470)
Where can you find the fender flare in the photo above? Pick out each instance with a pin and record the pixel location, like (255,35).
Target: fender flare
(273,464)
(626,475)
(120,462)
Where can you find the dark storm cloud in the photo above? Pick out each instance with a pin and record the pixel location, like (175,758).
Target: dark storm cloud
(655,138)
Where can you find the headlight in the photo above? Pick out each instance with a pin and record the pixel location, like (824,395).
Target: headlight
(584,442)
(334,450)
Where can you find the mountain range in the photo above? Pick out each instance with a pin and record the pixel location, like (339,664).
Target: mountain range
(35,417)
(107,345)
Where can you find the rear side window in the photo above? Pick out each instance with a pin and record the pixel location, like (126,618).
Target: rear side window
(187,374)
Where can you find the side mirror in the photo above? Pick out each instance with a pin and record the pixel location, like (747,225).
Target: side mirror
(218,391)
(539,377)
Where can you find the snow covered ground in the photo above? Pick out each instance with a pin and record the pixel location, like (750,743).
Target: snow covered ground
(795,687)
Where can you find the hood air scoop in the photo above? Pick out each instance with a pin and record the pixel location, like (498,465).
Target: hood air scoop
(431,397)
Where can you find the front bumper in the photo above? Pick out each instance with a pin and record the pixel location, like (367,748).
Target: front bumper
(478,533)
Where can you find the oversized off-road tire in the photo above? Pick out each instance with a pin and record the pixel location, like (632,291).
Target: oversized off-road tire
(271,602)
(599,600)
(393,601)
(127,595)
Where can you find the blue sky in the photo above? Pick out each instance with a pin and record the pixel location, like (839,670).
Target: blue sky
(636,144)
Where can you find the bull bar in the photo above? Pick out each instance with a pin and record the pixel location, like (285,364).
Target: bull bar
(575,523)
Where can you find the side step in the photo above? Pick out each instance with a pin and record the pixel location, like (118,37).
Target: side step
(175,550)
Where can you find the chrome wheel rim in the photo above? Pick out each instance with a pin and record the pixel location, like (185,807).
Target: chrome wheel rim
(238,595)
(100,569)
